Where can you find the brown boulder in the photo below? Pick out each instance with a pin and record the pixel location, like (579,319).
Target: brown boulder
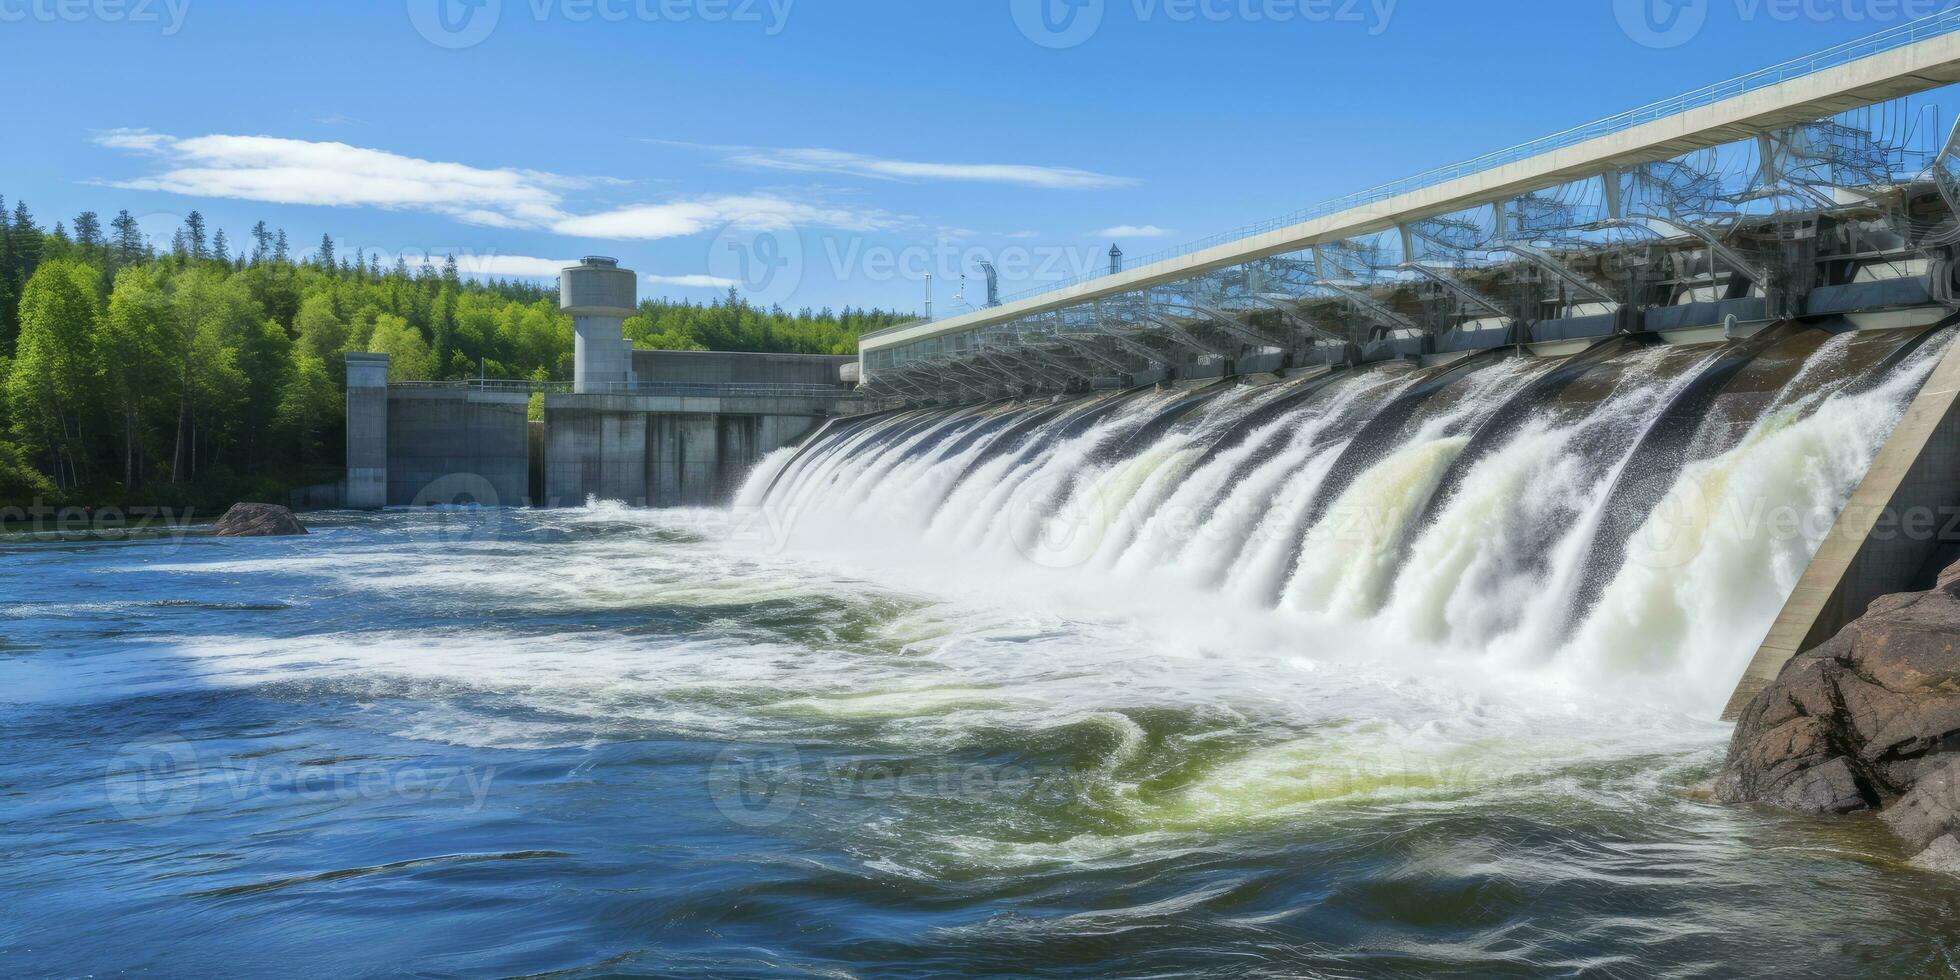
(257,521)
(1931,810)
(1868,721)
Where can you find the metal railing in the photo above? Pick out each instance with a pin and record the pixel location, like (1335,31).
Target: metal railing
(678,389)
(669,389)
(485,384)
(1925,29)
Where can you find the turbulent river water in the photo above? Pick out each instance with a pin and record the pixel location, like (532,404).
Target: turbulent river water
(1320,678)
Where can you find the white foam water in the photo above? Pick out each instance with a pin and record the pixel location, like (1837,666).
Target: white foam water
(1485,578)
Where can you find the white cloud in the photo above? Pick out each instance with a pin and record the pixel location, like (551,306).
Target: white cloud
(861,165)
(332,174)
(755,211)
(1131,231)
(525,266)
(471,264)
(696,281)
(137,140)
(329,174)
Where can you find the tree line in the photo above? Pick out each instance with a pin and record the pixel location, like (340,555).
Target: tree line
(207,370)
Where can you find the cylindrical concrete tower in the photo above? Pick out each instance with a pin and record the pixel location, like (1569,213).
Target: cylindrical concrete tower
(600,296)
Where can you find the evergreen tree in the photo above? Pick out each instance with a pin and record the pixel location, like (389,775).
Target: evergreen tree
(24,247)
(9,294)
(194,236)
(128,240)
(325,258)
(280,252)
(219,249)
(227,374)
(88,231)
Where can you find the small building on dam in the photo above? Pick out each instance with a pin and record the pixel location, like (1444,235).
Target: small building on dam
(647,428)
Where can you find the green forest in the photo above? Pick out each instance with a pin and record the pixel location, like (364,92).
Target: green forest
(206,371)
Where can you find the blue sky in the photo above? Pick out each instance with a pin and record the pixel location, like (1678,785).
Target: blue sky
(850,146)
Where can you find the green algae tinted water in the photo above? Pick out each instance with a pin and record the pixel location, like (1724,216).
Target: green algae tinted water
(602,741)
(1093,694)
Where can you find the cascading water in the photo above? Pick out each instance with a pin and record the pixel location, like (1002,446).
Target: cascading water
(1463,509)
(1384,670)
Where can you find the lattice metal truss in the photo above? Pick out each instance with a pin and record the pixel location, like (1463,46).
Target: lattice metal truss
(1765,221)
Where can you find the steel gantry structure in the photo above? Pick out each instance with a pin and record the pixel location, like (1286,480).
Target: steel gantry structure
(1821,185)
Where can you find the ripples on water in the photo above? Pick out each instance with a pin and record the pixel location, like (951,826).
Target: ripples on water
(605,740)
(920,714)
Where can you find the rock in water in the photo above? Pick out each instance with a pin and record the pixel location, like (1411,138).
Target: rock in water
(1928,812)
(1868,721)
(257,521)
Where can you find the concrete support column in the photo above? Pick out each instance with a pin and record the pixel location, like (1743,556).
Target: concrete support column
(602,356)
(367,432)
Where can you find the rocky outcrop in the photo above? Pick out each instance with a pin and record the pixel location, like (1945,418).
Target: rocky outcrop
(1868,721)
(257,521)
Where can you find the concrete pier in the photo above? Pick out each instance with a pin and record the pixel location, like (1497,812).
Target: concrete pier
(367,432)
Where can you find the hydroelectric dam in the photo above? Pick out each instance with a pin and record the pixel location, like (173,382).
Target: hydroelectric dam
(1664,389)
(1671,388)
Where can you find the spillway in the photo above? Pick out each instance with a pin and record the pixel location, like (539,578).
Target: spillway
(1634,509)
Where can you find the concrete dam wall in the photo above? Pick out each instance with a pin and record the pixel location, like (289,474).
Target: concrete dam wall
(652,445)
(449,446)
(646,428)
(665,450)
(1633,503)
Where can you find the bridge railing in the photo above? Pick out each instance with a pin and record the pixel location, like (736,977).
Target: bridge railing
(1938,25)
(668,389)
